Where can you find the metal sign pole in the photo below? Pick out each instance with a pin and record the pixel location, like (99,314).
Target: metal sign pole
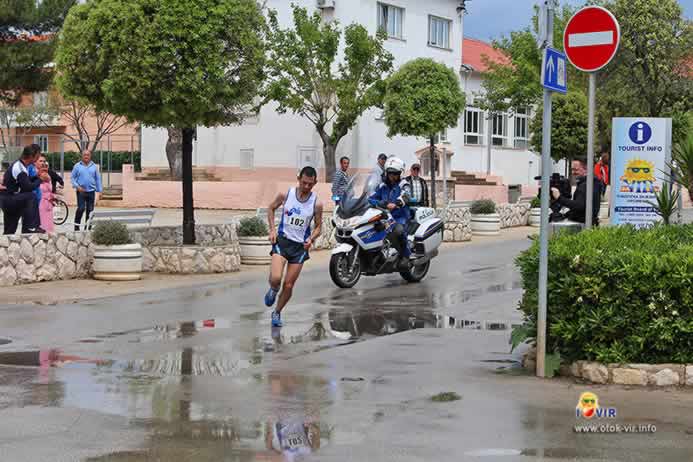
(589,205)
(546,168)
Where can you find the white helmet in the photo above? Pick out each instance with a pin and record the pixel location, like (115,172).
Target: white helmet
(394,165)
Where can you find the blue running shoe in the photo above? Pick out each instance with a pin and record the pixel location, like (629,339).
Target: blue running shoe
(270,297)
(276,319)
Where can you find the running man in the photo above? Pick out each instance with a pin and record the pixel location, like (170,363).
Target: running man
(293,240)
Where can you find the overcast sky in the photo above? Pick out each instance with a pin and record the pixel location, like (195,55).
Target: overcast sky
(489,19)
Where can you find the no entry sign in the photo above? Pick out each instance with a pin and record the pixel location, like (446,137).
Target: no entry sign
(591,38)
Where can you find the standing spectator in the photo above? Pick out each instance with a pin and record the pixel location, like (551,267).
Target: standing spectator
(376,176)
(417,186)
(46,204)
(601,170)
(87,182)
(33,171)
(55,177)
(19,200)
(340,181)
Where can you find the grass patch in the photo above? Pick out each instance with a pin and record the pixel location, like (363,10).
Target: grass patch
(445,397)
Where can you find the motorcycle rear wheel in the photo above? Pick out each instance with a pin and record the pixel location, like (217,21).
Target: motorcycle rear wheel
(416,273)
(339,271)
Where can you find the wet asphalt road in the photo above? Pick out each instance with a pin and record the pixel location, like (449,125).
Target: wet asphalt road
(198,374)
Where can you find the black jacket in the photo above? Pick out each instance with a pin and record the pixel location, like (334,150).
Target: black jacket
(55,178)
(17,180)
(578,203)
(422,201)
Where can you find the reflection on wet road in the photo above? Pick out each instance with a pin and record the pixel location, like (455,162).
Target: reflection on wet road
(156,376)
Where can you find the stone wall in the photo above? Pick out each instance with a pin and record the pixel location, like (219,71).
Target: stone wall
(205,235)
(514,215)
(659,375)
(327,239)
(458,227)
(26,258)
(216,250)
(192,259)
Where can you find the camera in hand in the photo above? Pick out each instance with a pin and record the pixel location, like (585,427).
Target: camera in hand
(561,183)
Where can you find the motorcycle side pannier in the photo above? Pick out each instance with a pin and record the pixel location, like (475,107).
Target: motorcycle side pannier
(428,236)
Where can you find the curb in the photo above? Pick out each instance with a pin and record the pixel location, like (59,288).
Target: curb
(656,375)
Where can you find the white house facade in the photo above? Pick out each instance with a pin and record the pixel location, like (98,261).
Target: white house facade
(274,146)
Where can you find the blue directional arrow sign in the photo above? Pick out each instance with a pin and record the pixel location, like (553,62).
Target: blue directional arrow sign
(554,72)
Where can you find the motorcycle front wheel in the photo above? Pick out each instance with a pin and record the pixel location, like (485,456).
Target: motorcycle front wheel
(416,273)
(340,271)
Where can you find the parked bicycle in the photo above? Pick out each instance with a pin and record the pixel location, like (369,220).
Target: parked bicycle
(60,211)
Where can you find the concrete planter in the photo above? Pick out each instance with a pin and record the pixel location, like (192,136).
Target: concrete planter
(255,250)
(117,262)
(535,217)
(486,225)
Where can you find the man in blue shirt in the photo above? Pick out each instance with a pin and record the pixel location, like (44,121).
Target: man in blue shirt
(389,196)
(87,182)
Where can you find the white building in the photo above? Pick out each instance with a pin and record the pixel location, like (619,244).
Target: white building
(274,146)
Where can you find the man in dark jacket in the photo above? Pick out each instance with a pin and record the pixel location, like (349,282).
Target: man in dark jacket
(418,187)
(19,200)
(578,204)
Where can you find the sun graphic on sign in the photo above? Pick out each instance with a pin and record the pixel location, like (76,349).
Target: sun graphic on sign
(638,176)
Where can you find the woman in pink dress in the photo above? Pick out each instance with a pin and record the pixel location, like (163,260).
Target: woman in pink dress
(46,204)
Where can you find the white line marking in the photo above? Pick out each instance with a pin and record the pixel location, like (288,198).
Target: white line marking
(589,39)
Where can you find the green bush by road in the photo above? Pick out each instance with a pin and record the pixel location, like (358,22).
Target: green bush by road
(617,294)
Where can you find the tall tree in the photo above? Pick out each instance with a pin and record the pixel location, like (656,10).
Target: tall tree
(306,80)
(169,63)
(27,31)
(652,72)
(515,82)
(568,127)
(423,98)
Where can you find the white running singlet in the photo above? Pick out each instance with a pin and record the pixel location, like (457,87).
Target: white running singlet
(297,217)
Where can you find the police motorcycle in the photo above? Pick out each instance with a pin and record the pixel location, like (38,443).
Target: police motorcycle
(363,242)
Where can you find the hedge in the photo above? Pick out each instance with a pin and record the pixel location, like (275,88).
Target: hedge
(616,294)
(118,158)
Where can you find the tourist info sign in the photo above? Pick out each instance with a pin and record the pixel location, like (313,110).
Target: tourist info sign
(640,152)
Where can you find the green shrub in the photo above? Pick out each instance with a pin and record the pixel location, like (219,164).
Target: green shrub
(483,207)
(536,203)
(616,294)
(110,233)
(118,158)
(252,227)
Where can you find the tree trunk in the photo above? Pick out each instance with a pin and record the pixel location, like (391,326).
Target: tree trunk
(174,152)
(188,209)
(433,174)
(329,150)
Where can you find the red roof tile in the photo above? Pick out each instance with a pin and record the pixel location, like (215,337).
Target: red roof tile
(473,50)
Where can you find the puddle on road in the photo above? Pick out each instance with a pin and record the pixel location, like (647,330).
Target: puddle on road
(427,299)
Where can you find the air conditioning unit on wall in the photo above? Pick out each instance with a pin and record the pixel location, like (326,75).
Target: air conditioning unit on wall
(324,4)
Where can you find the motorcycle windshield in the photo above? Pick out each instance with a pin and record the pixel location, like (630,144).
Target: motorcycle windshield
(354,202)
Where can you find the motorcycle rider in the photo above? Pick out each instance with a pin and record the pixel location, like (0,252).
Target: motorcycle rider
(389,195)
